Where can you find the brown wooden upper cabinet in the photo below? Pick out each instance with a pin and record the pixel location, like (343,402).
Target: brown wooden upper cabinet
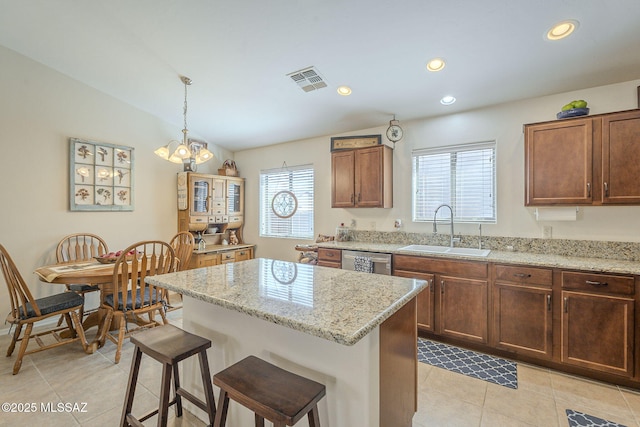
(362,178)
(583,161)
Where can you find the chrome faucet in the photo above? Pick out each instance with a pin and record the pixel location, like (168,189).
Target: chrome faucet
(435,228)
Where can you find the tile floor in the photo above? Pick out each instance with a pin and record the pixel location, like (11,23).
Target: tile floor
(445,399)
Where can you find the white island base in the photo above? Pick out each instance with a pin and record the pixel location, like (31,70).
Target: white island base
(371,383)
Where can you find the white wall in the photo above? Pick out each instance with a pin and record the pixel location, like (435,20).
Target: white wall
(504,123)
(39,110)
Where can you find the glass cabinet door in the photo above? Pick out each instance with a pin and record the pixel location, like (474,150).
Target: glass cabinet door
(201,190)
(234,198)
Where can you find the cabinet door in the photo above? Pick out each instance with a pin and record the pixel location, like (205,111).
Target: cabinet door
(244,254)
(463,308)
(597,332)
(369,177)
(200,190)
(620,158)
(523,319)
(558,163)
(342,179)
(235,197)
(425,299)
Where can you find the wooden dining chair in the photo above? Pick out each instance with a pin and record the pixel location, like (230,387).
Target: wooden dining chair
(183,244)
(130,296)
(81,247)
(26,310)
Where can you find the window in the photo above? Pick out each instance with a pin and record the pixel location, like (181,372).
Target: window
(462,176)
(286,202)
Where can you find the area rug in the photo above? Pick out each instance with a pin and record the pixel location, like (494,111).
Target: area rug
(469,363)
(580,419)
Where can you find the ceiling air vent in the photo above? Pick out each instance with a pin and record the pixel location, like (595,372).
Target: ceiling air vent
(308,79)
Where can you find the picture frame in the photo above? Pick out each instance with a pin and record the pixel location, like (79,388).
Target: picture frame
(100,176)
(349,142)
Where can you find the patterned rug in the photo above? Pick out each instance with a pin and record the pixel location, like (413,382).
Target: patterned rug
(580,419)
(467,362)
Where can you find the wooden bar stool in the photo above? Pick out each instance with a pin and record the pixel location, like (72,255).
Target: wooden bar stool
(272,393)
(169,345)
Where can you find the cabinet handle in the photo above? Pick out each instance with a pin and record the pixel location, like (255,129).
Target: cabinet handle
(442,287)
(596,284)
(588,189)
(329,254)
(242,253)
(430,284)
(359,198)
(522,275)
(548,302)
(565,305)
(606,189)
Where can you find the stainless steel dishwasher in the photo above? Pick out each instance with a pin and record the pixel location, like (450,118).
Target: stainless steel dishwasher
(381,261)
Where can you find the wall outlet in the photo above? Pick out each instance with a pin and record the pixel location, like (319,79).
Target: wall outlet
(353,224)
(546,232)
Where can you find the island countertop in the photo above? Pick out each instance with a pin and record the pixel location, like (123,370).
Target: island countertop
(337,305)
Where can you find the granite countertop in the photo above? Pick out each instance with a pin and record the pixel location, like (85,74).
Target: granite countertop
(599,265)
(221,248)
(337,305)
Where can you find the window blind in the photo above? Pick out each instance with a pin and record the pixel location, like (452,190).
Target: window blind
(298,180)
(462,176)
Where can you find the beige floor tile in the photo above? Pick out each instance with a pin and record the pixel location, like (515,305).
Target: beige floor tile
(632,397)
(494,419)
(534,378)
(596,396)
(454,385)
(523,405)
(437,410)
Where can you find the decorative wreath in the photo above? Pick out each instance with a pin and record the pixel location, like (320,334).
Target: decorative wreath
(284,204)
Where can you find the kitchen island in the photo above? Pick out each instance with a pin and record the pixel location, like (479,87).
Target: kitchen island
(353,332)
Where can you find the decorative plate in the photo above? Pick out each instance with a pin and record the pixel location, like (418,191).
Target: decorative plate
(574,112)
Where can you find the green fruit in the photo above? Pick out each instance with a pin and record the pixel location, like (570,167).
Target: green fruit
(581,103)
(567,107)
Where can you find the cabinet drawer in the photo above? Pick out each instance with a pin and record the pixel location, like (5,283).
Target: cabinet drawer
(524,275)
(243,254)
(228,257)
(331,255)
(598,282)
(199,219)
(204,260)
(468,269)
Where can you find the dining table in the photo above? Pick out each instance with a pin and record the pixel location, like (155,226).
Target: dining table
(74,272)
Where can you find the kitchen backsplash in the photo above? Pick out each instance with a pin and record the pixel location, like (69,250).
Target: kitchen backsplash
(628,251)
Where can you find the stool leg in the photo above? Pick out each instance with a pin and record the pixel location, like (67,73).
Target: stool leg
(165,388)
(223,407)
(208,388)
(176,386)
(131,389)
(314,418)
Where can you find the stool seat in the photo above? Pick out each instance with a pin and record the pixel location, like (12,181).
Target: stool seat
(272,393)
(169,345)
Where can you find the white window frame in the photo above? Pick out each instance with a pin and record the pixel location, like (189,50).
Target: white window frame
(451,183)
(300,181)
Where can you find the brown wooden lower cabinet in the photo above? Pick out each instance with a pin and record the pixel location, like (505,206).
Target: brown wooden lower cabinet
(597,332)
(463,308)
(523,311)
(576,321)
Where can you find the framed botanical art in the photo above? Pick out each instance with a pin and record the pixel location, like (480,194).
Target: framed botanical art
(349,142)
(100,176)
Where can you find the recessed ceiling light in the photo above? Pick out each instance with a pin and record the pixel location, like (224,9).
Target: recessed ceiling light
(562,29)
(447,100)
(344,90)
(436,64)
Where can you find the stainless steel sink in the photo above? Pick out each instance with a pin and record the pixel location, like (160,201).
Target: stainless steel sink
(447,250)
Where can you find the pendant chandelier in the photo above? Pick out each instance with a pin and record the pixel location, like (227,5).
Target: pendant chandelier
(189,152)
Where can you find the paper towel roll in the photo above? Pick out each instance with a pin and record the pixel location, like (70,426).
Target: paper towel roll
(557,214)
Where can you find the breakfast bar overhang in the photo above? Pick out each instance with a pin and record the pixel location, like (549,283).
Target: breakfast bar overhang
(353,332)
